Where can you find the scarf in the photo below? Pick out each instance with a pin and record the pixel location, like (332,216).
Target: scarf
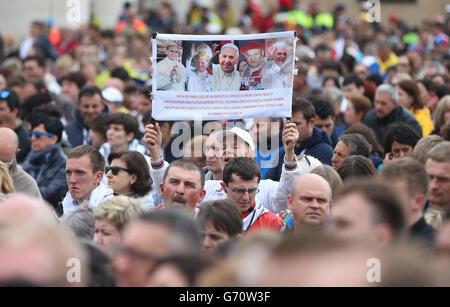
(38,158)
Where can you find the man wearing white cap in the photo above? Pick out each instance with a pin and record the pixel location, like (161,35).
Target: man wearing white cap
(226,76)
(114,99)
(171,74)
(237,142)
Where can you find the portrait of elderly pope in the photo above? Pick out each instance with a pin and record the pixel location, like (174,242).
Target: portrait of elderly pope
(251,69)
(200,78)
(275,76)
(171,73)
(226,76)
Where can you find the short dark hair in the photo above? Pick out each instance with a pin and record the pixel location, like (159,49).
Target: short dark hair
(38,84)
(323,108)
(368,134)
(401,133)
(386,205)
(245,168)
(332,65)
(356,167)
(322,47)
(334,79)
(305,106)
(358,143)
(410,170)
(100,124)
(120,73)
(76,77)
(223,214)
(89,90)
(186,165)
(97,160)
(13,100)
(40,60)
(51,124)
(129,122)
(136,164)
(440,90)
(353,78)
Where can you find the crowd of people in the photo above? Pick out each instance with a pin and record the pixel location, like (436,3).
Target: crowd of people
(361,170)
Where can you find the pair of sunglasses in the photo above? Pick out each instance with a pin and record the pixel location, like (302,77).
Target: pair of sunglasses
(116,169)
(38,134)
(4,94)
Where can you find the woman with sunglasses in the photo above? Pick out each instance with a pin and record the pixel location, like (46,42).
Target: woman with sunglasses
(46,162)
(128,174)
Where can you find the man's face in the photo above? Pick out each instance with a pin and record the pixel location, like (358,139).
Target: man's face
(70,89)
(304,128)
(401,150)
(44,141)
(172,52)
(107,235)
(233,146)
(310,203)
(326,124)
(90,107)
(228,57)
(341,153)
(143,244)
(145,104)
(280,56)
(352,219)
(213,154)
(384,105)
(243,192)
(254,57)
(182,188)
(80,177)
(439,187)
(31,69)
(6,115)
(352,90)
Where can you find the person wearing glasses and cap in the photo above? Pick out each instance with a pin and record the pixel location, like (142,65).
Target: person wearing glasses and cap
(46,161)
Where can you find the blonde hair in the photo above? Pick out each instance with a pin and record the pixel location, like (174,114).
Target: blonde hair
(443,107)
(6,181)
(119,210)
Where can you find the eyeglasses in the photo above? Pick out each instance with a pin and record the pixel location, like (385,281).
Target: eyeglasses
(4,94)
(116,169)
(38,134)
(241,192)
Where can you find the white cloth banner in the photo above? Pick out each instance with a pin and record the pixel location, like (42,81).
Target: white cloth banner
(217,77)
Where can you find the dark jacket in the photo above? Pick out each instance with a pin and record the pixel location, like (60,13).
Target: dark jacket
(318,146)
(75,128)
(24,142)
(51,177)
(423,232)
(400,114)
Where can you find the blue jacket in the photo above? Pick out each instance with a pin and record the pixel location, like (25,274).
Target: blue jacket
(318,146)
(75,128)
(51,177)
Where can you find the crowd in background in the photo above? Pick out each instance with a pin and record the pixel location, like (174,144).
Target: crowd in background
(361,170)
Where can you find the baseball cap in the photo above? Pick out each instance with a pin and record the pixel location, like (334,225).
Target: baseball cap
(241,133)
(441,39)
(112,95)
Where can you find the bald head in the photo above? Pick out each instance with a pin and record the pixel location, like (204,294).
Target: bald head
(310,201)
(10,144)
(306,181)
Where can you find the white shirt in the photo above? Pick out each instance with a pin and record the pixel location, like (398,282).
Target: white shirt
(224,81)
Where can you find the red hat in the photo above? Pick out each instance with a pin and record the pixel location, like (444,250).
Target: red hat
(253,45)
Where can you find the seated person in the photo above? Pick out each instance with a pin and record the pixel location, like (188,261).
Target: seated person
(46,161)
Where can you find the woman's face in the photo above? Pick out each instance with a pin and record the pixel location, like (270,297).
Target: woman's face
(213,237)
(403,98)
(107,235)
(350,115)
(117,136)
(120,183)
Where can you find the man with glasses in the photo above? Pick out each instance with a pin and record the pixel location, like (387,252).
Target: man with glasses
(84,172)
(23,182)
(9,112)
(46,161)
(151,237)
(241,178)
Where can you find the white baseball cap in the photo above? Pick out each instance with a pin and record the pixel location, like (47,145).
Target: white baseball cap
(244,135)
(112,95)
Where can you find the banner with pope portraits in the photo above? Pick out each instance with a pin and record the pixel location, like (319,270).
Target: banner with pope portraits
(217,77)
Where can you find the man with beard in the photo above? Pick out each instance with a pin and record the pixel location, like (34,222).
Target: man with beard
(251,69)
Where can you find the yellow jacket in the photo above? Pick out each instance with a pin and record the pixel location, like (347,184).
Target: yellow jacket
(423,116)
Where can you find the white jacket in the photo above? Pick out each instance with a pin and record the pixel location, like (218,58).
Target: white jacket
(271,194)
(98,195)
